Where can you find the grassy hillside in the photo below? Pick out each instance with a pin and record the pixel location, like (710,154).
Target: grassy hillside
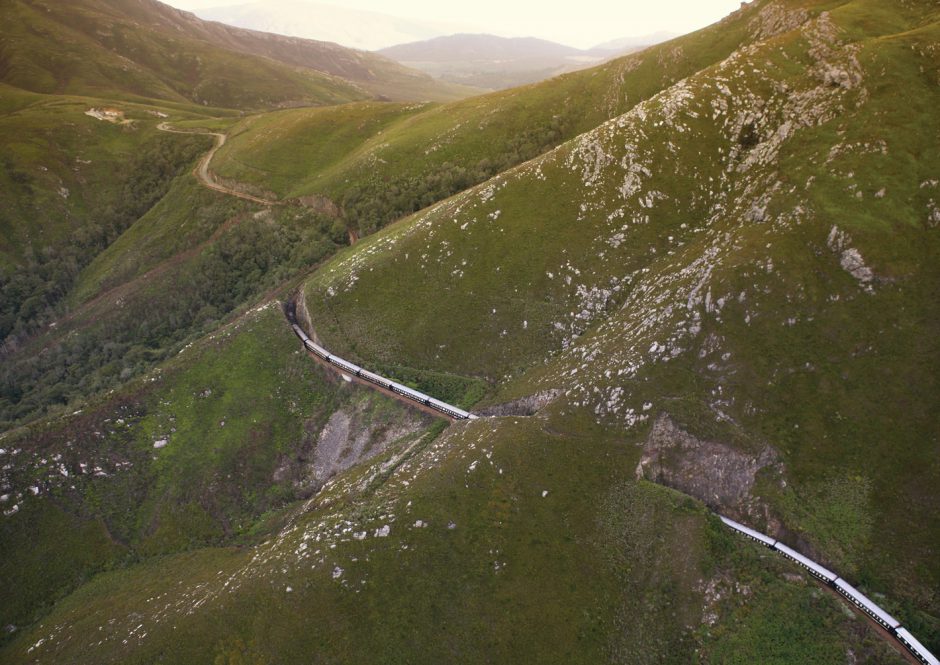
(193,454)
(64,170)
(495,541)
(752,252)
(99,48)
(143,48)
(737,259)
(171,277)
(398,161)
(334,144)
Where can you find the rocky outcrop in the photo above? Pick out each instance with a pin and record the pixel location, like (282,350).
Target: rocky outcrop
(850,258)
(524,406)
(720,476)
(352,434)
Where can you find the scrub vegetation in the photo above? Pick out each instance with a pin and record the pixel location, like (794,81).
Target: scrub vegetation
(734,232)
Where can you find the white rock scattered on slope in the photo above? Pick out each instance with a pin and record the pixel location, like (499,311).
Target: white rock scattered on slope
(160,443)
(850,258)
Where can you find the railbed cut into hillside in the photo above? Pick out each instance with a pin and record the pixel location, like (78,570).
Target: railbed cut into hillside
(719,268)
(752,251)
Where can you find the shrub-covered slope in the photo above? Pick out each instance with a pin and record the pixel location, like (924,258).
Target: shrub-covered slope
(386,163)
(498,541)
(753,253)
(730,288)
(171,277)
(193,454)
(65,171)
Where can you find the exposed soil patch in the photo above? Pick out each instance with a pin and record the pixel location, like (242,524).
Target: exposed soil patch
(351,435)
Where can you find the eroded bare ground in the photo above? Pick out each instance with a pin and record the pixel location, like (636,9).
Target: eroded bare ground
(352,434)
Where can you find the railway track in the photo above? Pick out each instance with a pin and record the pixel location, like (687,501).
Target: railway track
(888,626)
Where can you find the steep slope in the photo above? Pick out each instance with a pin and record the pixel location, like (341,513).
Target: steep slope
(607,275)
(751,253)
(67,165)
(303,153)
(390,170)
(436,550)
(143,48)
(191,455)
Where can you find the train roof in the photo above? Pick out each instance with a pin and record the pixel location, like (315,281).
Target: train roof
(905,634)
(737,526)
(806,561)
(867,603)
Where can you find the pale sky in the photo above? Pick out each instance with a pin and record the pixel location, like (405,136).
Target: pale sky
(579,23)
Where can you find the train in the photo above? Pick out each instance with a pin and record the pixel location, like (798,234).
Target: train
(853,595)
(355,370)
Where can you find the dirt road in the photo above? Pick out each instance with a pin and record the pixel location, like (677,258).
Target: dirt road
(204,175)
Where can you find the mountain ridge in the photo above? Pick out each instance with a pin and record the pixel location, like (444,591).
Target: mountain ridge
(494,62)
(146,48)
(733,234)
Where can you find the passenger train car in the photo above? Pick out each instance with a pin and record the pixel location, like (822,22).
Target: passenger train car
(353,369)
(860,600)
(856,597)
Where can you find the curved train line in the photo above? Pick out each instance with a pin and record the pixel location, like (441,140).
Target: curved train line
(854,596)
(418,397)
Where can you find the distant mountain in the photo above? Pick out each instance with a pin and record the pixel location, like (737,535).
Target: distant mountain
(488,61)
(456,48)
(638,41)
(350,27)
(144,48)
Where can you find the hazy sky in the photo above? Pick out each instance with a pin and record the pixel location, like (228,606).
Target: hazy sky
(580,23)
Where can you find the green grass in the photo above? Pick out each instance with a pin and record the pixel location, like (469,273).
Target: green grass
(596,569)
(842,382)
(117,48)
(389,161)
(64,50)
(284,150)
(234,408)
(186,217)
(556,554)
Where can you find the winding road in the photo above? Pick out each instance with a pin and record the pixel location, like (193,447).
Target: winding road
(204,175)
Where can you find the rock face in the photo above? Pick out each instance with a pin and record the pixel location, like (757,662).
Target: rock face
(850,258)
(716,474)
(352,434)
(524,406)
